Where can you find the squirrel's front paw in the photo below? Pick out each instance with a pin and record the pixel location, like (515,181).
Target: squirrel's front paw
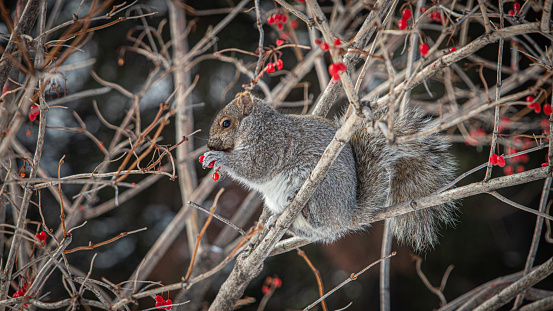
(213,159)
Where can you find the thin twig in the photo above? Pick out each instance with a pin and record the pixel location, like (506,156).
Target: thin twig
(317,276)
(93,246)
(352,277)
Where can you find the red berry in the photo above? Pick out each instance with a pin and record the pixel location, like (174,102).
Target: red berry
(279,64)
(423,49)
(277,282)
(508,170)
(34,112)
(283,18)
(159,298)
(265,289)
(19,293)
(516,7)
(324,46)
(547,109)
(334,71)
(511,12)
(337,42)
(501,161)
(402,24)
(159,304)
(537,107)
(452,49)
(406,14)
(544,164)
(41,236)
(520,169)
(271,20)
(318,41)
(280,26)
(436,16)
(168,302)
(493,159)
(201,159)
(270,68)
(279,42)
(529,99)
(211,164)
(215,176)
(341,67)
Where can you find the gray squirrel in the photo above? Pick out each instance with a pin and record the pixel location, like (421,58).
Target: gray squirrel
(274,153)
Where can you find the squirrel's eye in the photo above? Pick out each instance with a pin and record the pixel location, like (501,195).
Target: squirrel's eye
(225,123)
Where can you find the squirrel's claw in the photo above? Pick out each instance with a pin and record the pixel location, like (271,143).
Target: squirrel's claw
(213,159)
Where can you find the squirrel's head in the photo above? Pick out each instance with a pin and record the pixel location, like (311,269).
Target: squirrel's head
(224,128)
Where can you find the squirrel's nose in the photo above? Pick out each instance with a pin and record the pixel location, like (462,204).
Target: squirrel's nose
(214,144)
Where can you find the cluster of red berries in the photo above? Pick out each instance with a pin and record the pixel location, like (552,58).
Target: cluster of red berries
(162,303)
(405,16)
(436,17)
(278,19)
(497,160)
(526,145)
(21,292)
(34,112)
(269,282)
(515,10)
(532,104)
(41,237)
(271,66)
(285,35)
(325,47)
(215,175)
(335,69)
(524,158)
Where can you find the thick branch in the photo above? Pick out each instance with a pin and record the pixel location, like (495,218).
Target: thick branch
(525,282)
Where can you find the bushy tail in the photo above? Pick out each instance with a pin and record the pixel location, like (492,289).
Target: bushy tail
(390,174)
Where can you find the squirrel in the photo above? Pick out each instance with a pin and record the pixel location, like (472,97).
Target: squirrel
(274,153)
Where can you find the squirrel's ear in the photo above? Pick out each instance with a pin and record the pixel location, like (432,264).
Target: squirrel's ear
(246,102)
